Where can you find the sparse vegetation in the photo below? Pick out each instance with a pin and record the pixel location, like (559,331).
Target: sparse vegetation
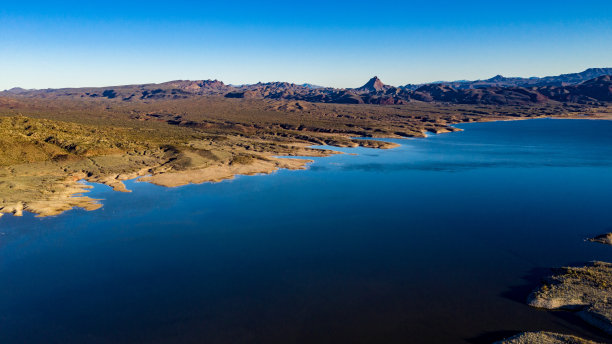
(46,144)
(586,289)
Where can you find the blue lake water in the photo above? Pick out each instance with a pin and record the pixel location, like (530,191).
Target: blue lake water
(437,241)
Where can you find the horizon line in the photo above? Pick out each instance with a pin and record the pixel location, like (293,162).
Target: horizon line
(294,83)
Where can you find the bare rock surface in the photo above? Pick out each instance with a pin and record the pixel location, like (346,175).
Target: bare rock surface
(542,337)
(587,289)
(603,238)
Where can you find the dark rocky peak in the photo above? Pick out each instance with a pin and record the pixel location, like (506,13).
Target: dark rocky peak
(373,85)
(497,78)
(211,83)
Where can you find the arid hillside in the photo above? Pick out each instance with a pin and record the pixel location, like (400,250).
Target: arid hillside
(53,139)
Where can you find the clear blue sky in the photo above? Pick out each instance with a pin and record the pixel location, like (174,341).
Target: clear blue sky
(342,44)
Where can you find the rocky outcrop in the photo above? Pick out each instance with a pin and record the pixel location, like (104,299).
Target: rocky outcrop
(542,337)
(373,85)
(603,238)
(587,289)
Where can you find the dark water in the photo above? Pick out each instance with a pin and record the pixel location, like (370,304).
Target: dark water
(438,241)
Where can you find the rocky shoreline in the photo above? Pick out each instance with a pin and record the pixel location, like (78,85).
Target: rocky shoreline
(602,239)
(587,290)
(544,338)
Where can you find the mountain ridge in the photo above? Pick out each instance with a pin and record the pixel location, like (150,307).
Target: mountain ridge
(588,87)
(499,80)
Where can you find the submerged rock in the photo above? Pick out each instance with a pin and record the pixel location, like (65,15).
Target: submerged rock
(542,337)
(603,238)
(587,289)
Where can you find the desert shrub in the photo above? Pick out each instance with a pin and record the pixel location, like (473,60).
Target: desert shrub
(242,159)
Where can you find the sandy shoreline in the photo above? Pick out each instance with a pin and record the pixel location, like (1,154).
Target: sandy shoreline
(72,190)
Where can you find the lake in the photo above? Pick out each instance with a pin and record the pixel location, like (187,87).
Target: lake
(437,241)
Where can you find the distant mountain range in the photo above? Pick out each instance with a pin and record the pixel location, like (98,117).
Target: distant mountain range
(501,81)
(591,86)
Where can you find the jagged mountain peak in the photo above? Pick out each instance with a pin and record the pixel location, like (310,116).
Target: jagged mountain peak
(373,85)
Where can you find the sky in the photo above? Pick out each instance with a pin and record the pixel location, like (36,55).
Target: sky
(51,44)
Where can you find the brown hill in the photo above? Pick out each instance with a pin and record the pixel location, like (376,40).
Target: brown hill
(598,89)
